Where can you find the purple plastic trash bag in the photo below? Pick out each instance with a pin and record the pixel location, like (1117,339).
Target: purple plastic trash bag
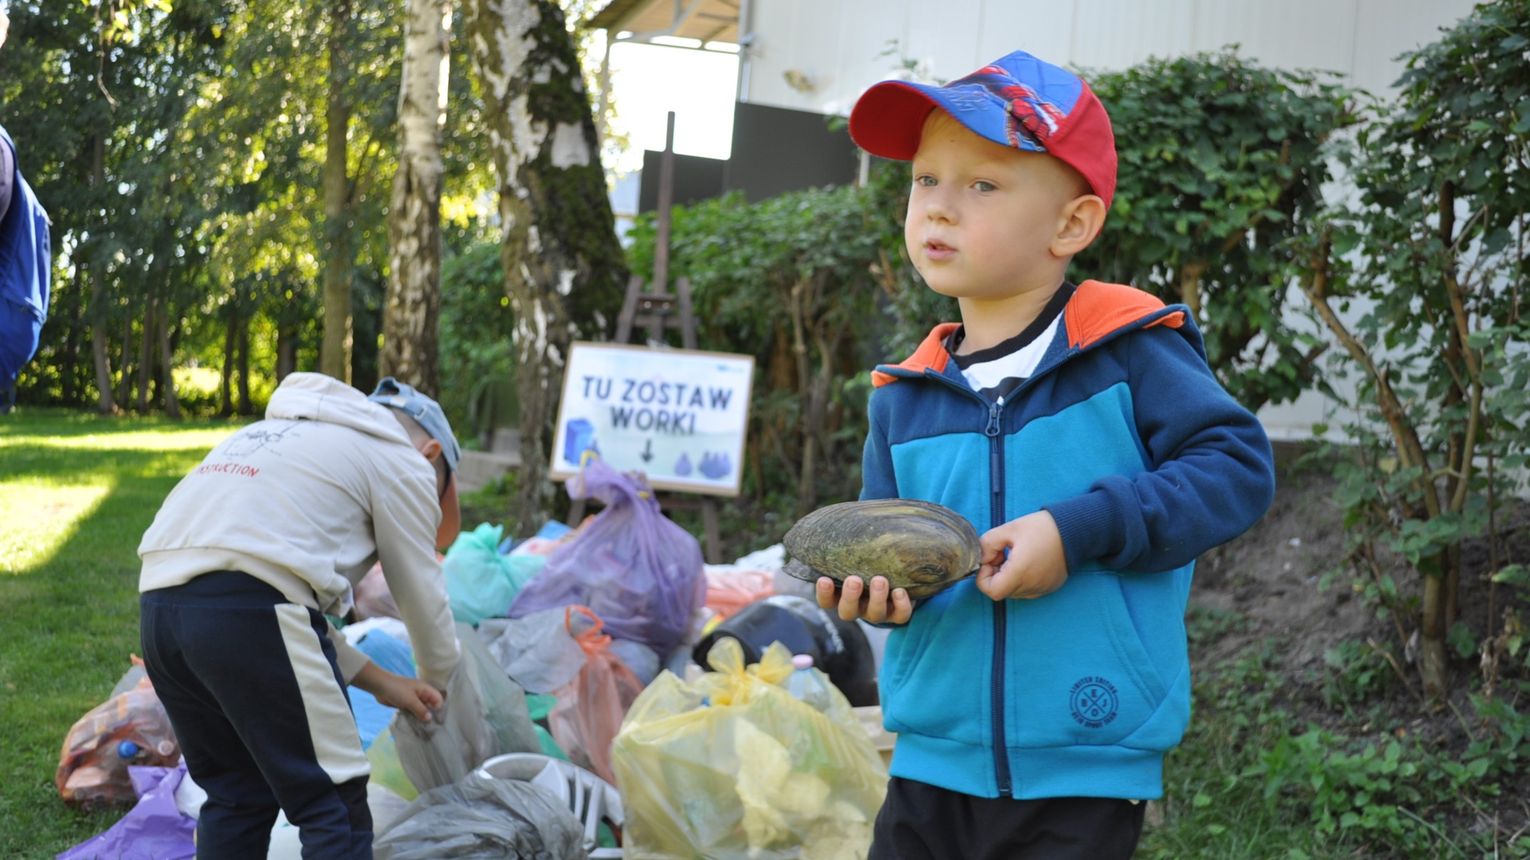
(637,570)
(152,830)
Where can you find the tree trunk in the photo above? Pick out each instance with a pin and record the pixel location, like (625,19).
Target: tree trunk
(412,307)
(243,344)
(335,351)
(125,369)
(106,403)
(286,349)
(1190,286)
(1432,666)
(145,356)
(563,267)
(172,402)
(226,378)
(71,357)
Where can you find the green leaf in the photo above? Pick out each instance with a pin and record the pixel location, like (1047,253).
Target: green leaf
(1517,575)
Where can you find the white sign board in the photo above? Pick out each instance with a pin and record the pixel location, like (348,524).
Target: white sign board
(678,416)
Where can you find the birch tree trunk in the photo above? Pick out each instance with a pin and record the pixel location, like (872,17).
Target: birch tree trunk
(335,351)
(563,267)
(412,306)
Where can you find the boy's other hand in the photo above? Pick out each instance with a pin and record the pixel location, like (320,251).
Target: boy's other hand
(413,695)
(872,602)
(1036,565)
(417,697)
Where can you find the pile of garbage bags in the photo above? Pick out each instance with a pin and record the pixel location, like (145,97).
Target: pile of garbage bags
(583,720)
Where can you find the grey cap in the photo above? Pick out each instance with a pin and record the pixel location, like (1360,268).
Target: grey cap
(427,412)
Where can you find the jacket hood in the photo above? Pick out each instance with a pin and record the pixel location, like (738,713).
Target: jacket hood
(316,397)
(1096,313)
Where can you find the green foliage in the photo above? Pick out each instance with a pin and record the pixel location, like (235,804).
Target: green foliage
(1393,796)
(1357,672)
(1221,163)
(789,280)
(1223,210)
(179,150)
(476,342)
(1245,785)
(1429,264)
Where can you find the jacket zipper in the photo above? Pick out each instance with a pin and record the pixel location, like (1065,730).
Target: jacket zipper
(1000,615)
(995,436)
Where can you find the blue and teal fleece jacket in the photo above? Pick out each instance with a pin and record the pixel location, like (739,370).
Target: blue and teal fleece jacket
(1124,435)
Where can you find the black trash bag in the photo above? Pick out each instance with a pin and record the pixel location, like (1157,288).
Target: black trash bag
(839,648)
(483,817)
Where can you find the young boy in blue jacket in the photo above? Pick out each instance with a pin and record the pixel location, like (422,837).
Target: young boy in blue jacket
(1080,430)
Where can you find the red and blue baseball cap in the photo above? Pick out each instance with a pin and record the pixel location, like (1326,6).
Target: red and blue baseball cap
(1017,100)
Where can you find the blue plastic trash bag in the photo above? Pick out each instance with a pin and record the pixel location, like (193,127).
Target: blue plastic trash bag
(389,653)
(481,583)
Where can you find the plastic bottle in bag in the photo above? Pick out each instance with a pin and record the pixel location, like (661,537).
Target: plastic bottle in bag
(808,685)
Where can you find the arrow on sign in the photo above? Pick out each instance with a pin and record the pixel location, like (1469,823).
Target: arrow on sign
(648,450)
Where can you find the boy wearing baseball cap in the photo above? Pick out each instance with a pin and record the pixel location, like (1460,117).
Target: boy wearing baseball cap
(1080,430)
(272,529)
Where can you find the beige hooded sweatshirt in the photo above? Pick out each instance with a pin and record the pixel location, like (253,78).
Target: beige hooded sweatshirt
(307,500)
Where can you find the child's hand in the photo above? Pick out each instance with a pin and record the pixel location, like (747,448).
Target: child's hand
(412,695)
(858,600)
(400,691)
(1036,565)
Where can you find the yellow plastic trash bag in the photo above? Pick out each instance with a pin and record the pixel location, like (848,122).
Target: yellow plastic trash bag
(733,766)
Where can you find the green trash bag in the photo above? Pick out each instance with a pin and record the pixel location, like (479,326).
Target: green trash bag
(481,583)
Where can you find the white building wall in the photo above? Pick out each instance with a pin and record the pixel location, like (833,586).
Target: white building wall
(840,47)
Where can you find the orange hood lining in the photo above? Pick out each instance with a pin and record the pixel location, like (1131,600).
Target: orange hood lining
(1096,310)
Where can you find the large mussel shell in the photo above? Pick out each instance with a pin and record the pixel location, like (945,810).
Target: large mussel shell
(920,546)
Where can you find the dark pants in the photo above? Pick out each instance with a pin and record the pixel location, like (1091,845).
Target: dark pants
(922,822)
(259,709)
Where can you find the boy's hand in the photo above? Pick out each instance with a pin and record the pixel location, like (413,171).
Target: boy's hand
(1036,565)
(400,691)
(858,600)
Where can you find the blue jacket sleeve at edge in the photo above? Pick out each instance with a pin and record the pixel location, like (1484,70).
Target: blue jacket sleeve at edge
(877,480)
(1210,476)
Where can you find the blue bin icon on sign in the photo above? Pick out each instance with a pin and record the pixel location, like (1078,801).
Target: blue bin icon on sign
(578,437)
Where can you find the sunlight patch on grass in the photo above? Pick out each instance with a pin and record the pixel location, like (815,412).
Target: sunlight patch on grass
(39,518)
(142,440)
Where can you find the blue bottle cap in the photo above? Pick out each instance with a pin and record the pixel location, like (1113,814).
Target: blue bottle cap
(127,750)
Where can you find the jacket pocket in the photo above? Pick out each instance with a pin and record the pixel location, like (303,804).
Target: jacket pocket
(1078,672)
(937,671)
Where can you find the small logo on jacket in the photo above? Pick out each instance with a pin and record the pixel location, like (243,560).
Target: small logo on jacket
(1093,701)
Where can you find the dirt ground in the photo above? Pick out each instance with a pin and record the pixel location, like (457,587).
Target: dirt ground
(1269,582)
(1272,576)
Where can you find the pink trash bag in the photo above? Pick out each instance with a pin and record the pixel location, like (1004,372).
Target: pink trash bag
(634,568)
(591,707)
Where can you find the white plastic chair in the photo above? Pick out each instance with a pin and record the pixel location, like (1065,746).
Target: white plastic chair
(591,798)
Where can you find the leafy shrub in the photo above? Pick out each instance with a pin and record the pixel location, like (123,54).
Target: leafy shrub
(1430,263)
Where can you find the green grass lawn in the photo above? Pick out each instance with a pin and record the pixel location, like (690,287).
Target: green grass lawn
(76,493)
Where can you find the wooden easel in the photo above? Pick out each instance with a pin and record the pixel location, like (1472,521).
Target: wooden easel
(656,310)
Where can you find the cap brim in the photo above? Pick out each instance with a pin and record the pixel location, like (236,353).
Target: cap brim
(888,119)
